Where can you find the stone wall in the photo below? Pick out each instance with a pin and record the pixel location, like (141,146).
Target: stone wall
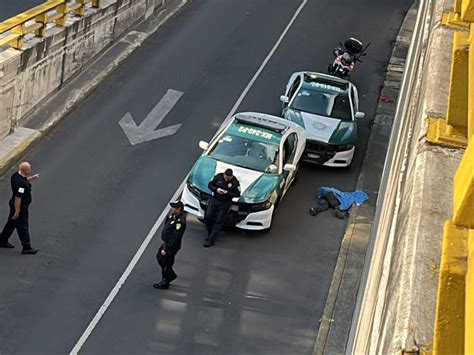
(30,75)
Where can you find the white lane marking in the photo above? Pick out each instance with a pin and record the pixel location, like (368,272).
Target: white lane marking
(113,293)
(265,61)
(125,275)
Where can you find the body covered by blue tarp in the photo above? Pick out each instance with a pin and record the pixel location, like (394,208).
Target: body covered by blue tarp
(346,199)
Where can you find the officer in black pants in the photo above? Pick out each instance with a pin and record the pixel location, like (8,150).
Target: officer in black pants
(224,188)
(19,203)
(172,234)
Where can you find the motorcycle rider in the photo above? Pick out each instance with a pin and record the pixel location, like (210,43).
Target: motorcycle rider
(346,56)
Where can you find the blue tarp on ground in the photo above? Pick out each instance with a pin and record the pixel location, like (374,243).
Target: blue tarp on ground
(346,199)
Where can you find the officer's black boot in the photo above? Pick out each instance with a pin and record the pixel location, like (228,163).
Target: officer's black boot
(208,242)
(4,243)
(28,250)
(162,285)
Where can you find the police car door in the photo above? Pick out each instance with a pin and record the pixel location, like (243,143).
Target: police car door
(355,99)
(289,157)
(291,88)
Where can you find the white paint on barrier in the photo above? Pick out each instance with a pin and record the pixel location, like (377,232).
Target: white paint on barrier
(149,12)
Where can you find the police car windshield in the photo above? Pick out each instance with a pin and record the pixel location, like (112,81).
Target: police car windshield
(323,102)
(247,153)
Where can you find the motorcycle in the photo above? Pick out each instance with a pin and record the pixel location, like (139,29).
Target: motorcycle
(346,55)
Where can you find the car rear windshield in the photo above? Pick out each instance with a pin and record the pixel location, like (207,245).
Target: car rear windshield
(323,103)
(247,153)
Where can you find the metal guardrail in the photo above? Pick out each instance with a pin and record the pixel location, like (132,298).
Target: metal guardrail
(373,282)
(455,306)
(13,30)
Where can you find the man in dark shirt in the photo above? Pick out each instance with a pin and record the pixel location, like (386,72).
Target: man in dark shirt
(19,203)
(224,188)
(172,234)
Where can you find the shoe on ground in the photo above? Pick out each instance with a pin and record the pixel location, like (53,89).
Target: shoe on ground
(6,245)
(29,251)
(313,211)
(161,285)
(208,243)
(340,214)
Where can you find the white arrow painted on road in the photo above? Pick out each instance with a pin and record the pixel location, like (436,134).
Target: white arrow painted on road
(137,256)
(147,131)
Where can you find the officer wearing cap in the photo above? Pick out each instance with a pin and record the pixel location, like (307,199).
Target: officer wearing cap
(171,234)
(224,188)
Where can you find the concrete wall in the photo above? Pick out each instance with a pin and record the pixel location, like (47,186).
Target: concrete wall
(407,312)
(30,75)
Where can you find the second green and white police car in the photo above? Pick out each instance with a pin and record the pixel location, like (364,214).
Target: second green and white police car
(264,152)
(328,108)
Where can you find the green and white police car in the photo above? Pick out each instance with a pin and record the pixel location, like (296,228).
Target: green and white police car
(263,151)
(328,108)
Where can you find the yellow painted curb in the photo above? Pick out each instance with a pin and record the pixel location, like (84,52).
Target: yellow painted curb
(16,153)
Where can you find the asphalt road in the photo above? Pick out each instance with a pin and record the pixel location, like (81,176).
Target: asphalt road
(98,196)
(10,8)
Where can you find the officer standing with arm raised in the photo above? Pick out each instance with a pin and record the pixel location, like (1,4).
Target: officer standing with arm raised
(19,203)
(171,234)
(224,188)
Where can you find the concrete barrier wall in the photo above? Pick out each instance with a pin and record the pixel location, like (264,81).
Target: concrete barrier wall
(398,298)
(30,75)
(405,316)
(411,290)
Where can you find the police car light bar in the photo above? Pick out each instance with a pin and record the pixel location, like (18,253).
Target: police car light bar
(323,78)
(262,122)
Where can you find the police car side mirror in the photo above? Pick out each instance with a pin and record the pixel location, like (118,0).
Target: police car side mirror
(203,145)
(284,99)
(359,114)
(289,167)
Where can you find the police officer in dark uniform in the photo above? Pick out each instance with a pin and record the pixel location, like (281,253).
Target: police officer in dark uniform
(224,188)
(171,234)
(19,203)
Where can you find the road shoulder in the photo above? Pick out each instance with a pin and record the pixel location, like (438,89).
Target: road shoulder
(337,317)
